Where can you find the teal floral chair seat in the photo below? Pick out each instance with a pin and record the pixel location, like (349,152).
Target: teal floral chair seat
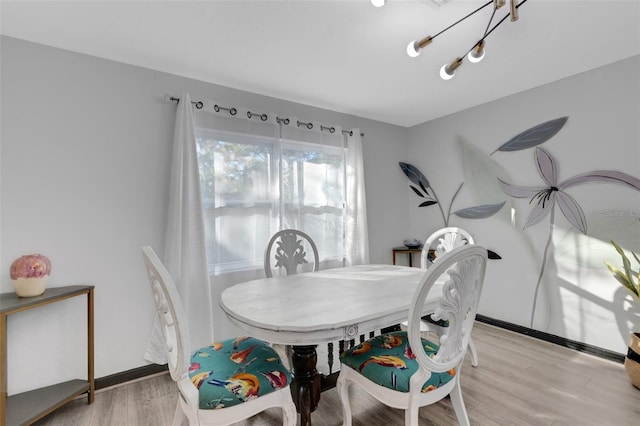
(404,370)
(388,361)
(223,383)
(237,370)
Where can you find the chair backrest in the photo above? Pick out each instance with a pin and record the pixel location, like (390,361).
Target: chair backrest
(290,252)
(443,241)
(172,317)
(465,267)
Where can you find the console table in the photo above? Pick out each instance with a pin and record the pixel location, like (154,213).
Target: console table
(408,251)
(28,407)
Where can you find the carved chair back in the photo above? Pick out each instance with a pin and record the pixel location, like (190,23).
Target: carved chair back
(287,250)
(443,241)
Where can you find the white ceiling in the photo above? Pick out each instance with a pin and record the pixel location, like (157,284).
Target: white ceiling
(346,56)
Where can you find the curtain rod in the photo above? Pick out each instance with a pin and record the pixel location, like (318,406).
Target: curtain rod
(263,117)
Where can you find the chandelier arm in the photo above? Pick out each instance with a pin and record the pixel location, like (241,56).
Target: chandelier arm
(490,21)
(486,34)
(489,32)
(462,19)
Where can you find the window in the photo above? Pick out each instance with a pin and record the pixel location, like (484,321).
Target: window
(253,186)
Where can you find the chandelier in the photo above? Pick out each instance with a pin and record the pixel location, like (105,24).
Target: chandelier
(476,53)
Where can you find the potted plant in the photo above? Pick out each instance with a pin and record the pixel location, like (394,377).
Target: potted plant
(631,280)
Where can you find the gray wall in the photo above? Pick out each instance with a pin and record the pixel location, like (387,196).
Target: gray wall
(578,297)
(84,170)
(85,153)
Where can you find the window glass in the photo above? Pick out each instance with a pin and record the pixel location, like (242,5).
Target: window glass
(254,186)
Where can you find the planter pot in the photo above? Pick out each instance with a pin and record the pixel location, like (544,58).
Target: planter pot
(632,360)
(30,274)
(29,287)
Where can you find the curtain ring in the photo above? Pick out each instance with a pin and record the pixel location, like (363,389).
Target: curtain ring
(330,129)
(263,117)
(231,111)
(308,125)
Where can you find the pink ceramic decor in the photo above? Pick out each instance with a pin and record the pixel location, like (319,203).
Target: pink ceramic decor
(30,274)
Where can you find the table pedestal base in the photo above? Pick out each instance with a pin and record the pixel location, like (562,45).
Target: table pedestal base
(305,388)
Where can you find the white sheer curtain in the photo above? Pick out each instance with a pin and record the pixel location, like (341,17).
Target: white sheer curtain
(185,253)
(357,240)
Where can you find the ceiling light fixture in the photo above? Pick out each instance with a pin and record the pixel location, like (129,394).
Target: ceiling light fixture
(380,3)
(476,53)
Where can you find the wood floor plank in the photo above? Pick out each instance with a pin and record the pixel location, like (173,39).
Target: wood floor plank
(520,381)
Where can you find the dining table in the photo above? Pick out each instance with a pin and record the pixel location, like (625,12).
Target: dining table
(311,308)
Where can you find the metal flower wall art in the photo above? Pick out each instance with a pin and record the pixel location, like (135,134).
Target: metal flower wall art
(554,192)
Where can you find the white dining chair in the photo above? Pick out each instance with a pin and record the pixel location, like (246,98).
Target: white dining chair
(437,245)
(403,370)
(221,384)
(287,251)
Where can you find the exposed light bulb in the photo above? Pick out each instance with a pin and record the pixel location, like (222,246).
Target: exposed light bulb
(475,59)
(378,3)
(413,49)
(448,71)
(444,72)
(477,53)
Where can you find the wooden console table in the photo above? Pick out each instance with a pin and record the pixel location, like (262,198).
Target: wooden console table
(28,407)
(408,251)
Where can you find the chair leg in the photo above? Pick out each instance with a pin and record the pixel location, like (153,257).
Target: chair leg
(178,415)
(458,403)
(474,353)
(289,414)
(411,415)
(343,391)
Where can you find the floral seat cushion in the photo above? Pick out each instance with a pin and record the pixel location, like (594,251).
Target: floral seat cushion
(388,361)
(234,371)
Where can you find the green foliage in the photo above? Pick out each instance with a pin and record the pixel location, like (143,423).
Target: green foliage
(627,277)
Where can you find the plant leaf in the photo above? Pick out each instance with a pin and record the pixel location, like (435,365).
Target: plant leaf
(625,262)
(479,212)
(428,203)
(414,174)
(622,279)
(417,191)
(534,136)
(493,255)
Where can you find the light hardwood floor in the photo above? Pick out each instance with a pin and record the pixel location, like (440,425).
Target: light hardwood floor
(520,381)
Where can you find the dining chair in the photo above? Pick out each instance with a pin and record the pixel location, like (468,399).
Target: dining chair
(289,255)
(403,370)
(436,245)
(287,250)
(443,241)
(221,384)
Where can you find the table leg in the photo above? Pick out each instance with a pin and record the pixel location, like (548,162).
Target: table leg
(305,388)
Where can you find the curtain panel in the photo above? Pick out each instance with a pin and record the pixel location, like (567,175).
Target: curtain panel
(185,255)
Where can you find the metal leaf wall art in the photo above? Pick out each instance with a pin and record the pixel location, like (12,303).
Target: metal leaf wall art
(543,198)
(423,189)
